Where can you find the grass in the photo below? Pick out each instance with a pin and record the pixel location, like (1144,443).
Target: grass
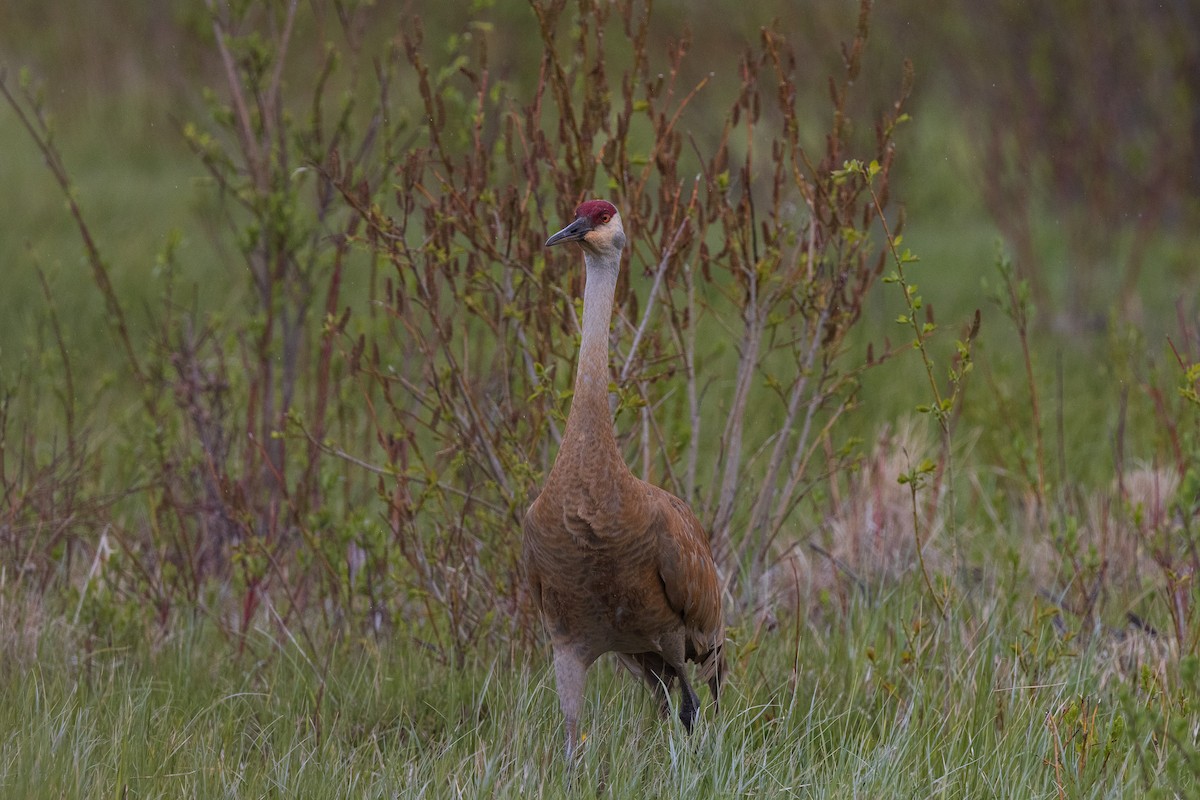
(863,696)
(136,186)
(882,700)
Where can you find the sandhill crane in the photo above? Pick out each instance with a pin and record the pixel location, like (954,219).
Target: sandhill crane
(616,564)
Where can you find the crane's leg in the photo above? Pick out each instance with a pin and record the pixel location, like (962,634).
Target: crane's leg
(570,673)
(658,677)
(689,703)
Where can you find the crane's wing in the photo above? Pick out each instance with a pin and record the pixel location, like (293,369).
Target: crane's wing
(530,534)
(689,576)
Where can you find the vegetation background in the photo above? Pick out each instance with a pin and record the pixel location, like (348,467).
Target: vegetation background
(282,361)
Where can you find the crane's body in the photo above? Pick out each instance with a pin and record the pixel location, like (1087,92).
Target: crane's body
(616,564)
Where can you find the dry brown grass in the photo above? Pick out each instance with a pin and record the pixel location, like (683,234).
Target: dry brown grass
(869,538)
(1119,539)
(23,620)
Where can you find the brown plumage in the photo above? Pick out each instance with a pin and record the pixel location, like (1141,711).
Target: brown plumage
(616,564)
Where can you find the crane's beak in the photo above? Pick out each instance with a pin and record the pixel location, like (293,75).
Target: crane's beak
(572,233)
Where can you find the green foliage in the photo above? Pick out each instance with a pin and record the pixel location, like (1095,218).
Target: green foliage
(1062,157)
(897,703)
(264,448)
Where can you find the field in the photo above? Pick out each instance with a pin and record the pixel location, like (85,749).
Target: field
(283,361)
(886,702)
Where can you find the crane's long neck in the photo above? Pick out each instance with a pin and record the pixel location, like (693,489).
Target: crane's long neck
(589,407)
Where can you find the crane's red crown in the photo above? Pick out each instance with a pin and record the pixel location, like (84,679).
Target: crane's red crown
(591,216)
(597,212)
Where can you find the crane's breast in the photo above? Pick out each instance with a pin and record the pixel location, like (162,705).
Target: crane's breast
(597,576)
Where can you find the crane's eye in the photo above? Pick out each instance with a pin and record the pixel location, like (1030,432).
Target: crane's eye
(604,218)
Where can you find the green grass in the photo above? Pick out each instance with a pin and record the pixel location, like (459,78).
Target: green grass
(882,699)
(135,185)
(887,701)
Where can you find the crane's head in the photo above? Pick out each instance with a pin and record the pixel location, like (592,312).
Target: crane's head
(597,228)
